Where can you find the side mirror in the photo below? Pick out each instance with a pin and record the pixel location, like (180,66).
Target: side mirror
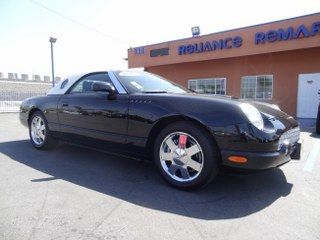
(104,87)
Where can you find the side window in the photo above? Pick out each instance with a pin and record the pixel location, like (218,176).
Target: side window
(208,85)
(85,84)
(257,87)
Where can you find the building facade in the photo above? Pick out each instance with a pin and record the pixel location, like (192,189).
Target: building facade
(276,62)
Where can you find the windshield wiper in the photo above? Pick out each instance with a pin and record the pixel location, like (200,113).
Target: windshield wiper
(155,91)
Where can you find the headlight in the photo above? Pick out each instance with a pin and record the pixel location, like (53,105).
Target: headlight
(253,115)
(275,107)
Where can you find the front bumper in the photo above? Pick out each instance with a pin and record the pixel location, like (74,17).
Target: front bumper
(262,160)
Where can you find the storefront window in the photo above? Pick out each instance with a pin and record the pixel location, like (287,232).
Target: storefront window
(208,86)
(257,87)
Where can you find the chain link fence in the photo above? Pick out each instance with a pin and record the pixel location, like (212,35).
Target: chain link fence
(10,101)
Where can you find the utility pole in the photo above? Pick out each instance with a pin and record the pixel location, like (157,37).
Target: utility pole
(52,41)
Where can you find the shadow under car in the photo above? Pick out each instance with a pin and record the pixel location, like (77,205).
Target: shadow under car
(137,182)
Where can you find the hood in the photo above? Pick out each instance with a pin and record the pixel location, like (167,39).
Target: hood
(210,104)
(267,109)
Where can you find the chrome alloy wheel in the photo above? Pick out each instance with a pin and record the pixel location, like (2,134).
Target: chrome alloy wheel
(181,156)
(38,130)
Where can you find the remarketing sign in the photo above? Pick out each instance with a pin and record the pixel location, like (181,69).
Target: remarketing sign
(270,36)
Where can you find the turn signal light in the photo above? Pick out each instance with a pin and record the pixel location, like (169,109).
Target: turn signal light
(237,159)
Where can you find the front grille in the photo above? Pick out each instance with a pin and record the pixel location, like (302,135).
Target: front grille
(292,136)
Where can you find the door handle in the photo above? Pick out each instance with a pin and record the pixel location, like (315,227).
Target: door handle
(65,104)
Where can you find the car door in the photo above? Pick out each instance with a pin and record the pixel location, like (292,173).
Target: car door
(87,115)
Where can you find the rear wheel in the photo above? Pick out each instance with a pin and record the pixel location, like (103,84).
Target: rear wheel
(39,132)
(186,155)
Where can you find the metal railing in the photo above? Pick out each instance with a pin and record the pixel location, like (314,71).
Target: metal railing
(10,101)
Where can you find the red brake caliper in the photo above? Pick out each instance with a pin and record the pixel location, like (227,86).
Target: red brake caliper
(182,141)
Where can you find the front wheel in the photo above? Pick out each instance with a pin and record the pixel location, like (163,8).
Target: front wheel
(39,132)
(186,155)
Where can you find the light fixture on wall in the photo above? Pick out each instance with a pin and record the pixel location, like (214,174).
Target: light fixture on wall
(195,31)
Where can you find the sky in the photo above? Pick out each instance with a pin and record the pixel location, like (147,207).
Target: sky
(26,28)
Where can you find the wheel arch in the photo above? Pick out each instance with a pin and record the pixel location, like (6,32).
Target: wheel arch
(32,111)
(162,123)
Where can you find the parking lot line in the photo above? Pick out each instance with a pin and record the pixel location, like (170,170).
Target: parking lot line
(308,166)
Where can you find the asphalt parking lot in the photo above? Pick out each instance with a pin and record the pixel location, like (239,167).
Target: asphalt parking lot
(76,193)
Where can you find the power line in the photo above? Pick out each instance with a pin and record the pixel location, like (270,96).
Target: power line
(79,23)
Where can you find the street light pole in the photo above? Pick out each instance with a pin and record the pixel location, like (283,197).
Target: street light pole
(52,41)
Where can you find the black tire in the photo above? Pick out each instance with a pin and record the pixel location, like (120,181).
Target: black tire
(48,142)
(210,162)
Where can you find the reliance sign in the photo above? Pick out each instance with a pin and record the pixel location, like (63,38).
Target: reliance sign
(270,36)
(211,46)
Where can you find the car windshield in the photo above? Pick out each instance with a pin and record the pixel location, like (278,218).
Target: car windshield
(143,82)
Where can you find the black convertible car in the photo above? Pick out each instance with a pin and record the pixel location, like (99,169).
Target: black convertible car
(189,136)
